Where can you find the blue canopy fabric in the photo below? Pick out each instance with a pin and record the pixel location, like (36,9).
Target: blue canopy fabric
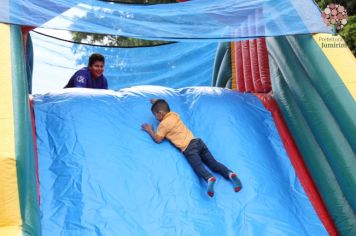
(197,25)
(191,20)
(100,174)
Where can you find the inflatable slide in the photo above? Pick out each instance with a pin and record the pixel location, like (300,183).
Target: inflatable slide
(100,173)
(76,162)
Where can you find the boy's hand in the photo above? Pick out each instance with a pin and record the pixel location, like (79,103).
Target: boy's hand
(147,127)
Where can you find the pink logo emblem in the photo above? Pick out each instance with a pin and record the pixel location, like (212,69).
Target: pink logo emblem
(335,15)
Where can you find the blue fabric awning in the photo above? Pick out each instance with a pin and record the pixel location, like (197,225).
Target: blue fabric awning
(192,20)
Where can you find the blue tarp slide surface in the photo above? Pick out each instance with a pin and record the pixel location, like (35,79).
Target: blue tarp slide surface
(100,174)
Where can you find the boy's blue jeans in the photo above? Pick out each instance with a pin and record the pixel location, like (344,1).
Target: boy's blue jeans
(198,153)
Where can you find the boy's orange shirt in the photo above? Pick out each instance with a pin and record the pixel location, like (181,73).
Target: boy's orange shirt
(173,128)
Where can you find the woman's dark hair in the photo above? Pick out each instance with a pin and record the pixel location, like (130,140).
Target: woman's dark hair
(94,58)
(160,105)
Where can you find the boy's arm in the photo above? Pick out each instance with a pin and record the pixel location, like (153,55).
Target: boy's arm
(149,129)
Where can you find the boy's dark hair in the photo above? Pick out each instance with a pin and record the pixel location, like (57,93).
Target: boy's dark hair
(94,58)
(160,105)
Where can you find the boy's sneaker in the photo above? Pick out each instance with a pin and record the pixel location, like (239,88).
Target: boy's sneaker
(235,181)
(211,183)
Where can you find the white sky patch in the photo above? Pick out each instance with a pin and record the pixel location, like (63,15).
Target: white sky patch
(62,34)
(54,63)
(66,18)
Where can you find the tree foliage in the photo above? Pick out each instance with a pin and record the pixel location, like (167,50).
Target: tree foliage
(350,5)
(113,40)
(349,34)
